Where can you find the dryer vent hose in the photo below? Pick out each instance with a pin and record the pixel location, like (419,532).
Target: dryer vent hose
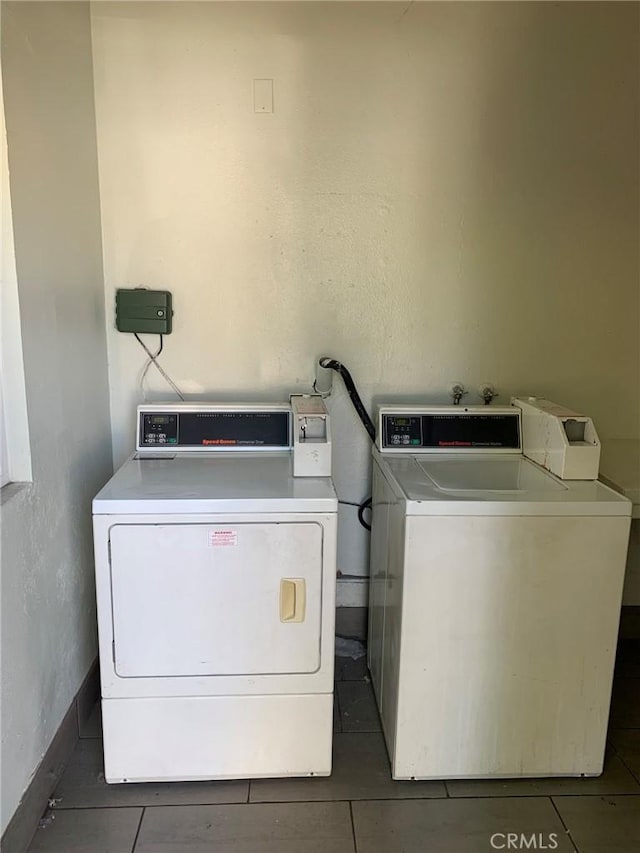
(349,384)
(332,364)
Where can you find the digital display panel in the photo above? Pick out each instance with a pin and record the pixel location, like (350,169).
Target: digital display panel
(160,419)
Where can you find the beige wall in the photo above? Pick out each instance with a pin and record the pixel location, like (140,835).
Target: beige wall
(48,599)
(443,191)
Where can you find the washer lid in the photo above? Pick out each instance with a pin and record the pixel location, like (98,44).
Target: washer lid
(201,483)
(491,484)
(488,474)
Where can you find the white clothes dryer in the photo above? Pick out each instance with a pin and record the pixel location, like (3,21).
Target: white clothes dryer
(216,576)
(495,598)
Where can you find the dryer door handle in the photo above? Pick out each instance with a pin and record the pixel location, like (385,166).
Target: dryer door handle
(293,599)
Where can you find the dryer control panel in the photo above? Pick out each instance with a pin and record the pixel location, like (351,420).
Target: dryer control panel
(211,427)
(449,429)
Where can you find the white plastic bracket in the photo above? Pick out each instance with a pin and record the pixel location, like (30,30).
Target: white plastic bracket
(311,436)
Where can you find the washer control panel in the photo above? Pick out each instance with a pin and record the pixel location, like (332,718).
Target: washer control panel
(403,430)
(449,429)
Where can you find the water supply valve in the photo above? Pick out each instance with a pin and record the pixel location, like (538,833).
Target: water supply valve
(487,392)
(457,392)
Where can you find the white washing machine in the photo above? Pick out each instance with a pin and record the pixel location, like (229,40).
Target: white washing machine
(621,469)
(494,598)
(215,576)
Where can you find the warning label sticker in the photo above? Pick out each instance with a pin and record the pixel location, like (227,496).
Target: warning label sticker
(222,538)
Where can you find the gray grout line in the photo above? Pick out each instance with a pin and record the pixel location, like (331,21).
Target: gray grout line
(353,828)
(368,799)
(530,796)
(621,757)
(109,806)
(346,799)
(566,828)
(611,745)
(635,775)
(423,799)
(90,806)
(77,717)
(601,794)
(135,840)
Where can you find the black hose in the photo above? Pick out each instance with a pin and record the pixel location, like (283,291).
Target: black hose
(332,364)
(365,505)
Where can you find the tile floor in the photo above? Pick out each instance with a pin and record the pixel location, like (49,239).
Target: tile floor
(359,809)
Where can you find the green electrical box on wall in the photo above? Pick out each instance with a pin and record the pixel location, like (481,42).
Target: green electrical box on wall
(144,311)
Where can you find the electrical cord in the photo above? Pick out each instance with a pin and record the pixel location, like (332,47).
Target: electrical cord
(362,507)
(159,368)
(145,370)
(333,364)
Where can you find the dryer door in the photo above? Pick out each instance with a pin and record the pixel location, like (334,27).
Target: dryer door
(211,599)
